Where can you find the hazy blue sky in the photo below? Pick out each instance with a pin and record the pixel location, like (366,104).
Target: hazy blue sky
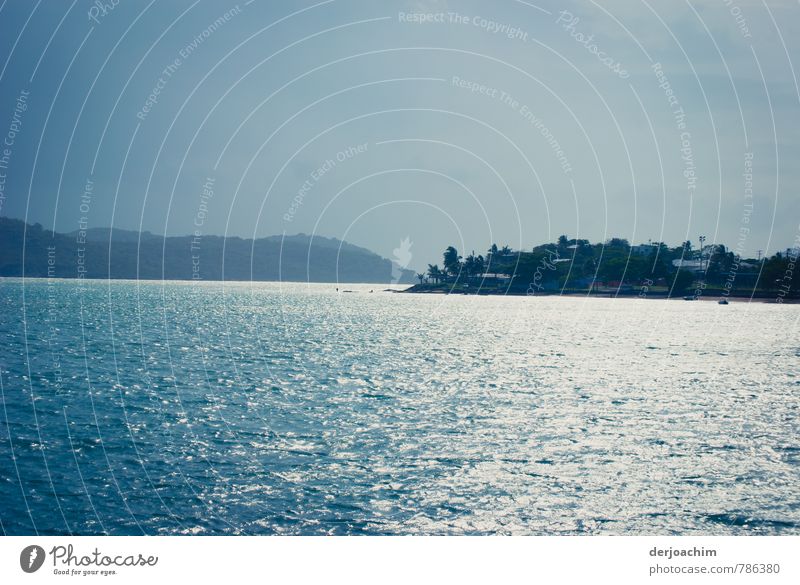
(570,134)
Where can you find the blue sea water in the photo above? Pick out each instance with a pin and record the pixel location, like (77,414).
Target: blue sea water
(224,408)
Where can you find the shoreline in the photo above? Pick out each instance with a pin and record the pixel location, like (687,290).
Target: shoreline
(714,295)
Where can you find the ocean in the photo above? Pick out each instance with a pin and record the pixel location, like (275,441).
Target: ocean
(279,408)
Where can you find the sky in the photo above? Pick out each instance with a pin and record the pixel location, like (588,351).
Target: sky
(440,122)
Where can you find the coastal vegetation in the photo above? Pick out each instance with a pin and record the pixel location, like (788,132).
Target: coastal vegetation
(615,267)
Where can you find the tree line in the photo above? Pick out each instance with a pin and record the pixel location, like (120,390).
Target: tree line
(578,265)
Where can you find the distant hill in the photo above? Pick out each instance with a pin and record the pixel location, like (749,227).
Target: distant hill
(102,235)
(299,258)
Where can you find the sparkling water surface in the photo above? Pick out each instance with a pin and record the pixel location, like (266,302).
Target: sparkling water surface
(273,408)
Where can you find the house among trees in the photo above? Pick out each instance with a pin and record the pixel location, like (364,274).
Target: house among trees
(612,267)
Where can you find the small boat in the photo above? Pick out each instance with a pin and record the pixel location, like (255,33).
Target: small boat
(690,298)
(723,301)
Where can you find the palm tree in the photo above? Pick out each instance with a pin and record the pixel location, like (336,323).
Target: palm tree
(420,277)
(491,254)
(474,265)
(452,261)
(434,273)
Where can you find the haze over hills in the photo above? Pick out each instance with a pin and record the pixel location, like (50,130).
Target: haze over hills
(125,254)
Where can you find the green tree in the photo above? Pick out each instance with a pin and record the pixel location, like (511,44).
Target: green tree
(612,269)
(474,265)
(435,273)
(491,255)
(776,273)
(658,266)
(452,261)
(618,243)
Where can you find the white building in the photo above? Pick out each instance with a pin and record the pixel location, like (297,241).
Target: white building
(691,265)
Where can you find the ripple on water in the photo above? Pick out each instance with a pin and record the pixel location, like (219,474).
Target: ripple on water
(288,409)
